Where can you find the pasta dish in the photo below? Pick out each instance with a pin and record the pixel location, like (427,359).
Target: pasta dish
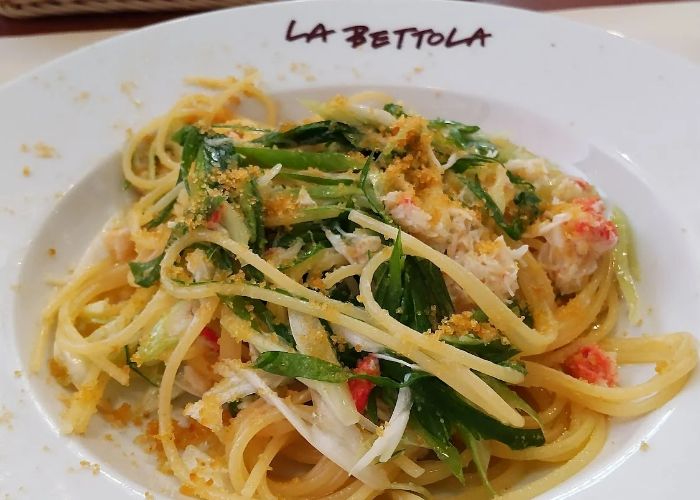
(365,304)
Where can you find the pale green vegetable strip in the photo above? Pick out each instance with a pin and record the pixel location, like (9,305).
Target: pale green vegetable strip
(625,264)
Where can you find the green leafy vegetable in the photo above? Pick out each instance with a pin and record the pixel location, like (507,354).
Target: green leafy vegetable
(446,403)
(218,256)
(495,350)
(457,133)
(132,366)
(526,201)
(436,430)
(511,397)
(371,409)
(470,162)
(258,315)
(322,132)
(625,265)
(161,216)
(339,192)
(306,252)
(190,138)
(372,198)
(309,232)
(395,110)
(291,364)
(206,151)
(297,160)
(177,232)
(313,179)
(147,273)
(251,205)
(478,452)
(412,290)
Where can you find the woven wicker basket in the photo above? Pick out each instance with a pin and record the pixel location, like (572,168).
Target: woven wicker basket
(36,8)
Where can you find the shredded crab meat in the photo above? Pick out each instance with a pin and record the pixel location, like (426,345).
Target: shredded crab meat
(547,179)
(199,265)
(460,234)
(279,256)
(355,246)
(231,387)
(304,199)
(119,244)
(576,235)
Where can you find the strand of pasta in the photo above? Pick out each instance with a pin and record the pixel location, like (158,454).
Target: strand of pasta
(559,475)
(437,470)
(436,367)
(238,474)
(538,293)
(507,479)
(322,479)
(49,314)
(340,273)
(622,401)
(261,466)
(83,403)
(594,336)
(246,256)
(159,303)
(66,330)
(523,337)
(143,183)
(165,427)
(481,394)
(564,448)
(430,344)
(581,311)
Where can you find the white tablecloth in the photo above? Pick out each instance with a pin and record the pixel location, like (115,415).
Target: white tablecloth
(673,27)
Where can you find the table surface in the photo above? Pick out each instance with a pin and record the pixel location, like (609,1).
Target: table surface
(91,22)
(672,26)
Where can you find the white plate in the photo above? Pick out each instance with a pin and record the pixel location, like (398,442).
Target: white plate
(626,115)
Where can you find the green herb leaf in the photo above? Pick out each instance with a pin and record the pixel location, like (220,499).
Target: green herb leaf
(412,290)
(371,409)
(297,160)
(478,452)
(313,179)
(457,133)
(206,150)
(511,397)
(256,312)
(495,350)
(434,426)
(470,162)
(300,365)
(396,110)
(435,404)
(290,364)
(368,189)
(190,138)
(147,273)
(177,232)
(132,366)
(161,216)
(526,202)
(218,256)
(322,132)
(251,205)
